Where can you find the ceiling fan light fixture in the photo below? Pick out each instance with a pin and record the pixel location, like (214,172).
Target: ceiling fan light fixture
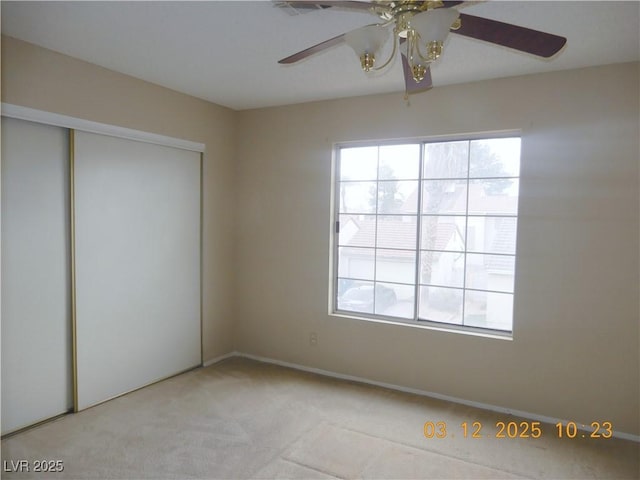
(418,71)
(366,42)
(428,30)
(402,25)
(367,61)
(434,50)
(434,25)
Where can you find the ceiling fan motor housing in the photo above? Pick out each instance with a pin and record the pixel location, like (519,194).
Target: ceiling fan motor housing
(392,10)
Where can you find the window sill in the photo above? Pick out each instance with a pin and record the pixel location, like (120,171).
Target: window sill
(425,325)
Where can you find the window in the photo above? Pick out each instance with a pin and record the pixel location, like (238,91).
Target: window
(426,232)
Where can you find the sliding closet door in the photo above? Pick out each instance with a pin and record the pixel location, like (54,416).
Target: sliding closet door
(137,264)
(36,318)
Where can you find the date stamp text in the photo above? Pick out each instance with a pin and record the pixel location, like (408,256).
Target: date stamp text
(517,429)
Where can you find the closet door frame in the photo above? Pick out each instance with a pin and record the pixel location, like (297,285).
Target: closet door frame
(73,124)
(137,264)
(37,380)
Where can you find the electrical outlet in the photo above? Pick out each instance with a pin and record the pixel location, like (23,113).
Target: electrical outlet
(313,339)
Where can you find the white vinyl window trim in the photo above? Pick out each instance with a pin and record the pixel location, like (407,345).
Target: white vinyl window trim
(424,232)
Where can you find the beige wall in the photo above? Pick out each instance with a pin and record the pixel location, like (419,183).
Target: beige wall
(45,80)
(575,350)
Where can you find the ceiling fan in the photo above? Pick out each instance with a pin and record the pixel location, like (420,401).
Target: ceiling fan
(418,30)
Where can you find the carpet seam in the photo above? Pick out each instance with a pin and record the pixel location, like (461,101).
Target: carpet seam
(300,464)
(432,452)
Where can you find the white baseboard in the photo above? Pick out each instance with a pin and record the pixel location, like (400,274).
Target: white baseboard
(211,361)
(424,393)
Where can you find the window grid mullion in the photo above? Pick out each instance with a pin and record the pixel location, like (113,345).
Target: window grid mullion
(466,236)
(336,220)
(375,233)
(416,288)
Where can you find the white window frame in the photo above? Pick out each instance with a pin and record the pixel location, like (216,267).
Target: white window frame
(335,227)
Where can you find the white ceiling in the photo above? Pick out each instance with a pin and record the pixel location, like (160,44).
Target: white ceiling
(227,52)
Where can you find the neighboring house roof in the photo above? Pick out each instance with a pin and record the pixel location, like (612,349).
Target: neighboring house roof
(503,242)
(480,203)
(397,233)
(444,233)
(402,235)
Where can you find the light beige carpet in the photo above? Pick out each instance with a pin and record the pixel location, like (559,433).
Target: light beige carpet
(245,419)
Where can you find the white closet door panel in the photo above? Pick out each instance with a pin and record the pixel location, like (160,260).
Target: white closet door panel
(36,319)
(137,253)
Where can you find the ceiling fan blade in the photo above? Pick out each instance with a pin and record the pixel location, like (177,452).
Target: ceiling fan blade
(342,4)
(307,52)
(410,84)
(524,39)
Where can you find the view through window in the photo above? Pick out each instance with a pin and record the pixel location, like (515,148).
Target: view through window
(426,232)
